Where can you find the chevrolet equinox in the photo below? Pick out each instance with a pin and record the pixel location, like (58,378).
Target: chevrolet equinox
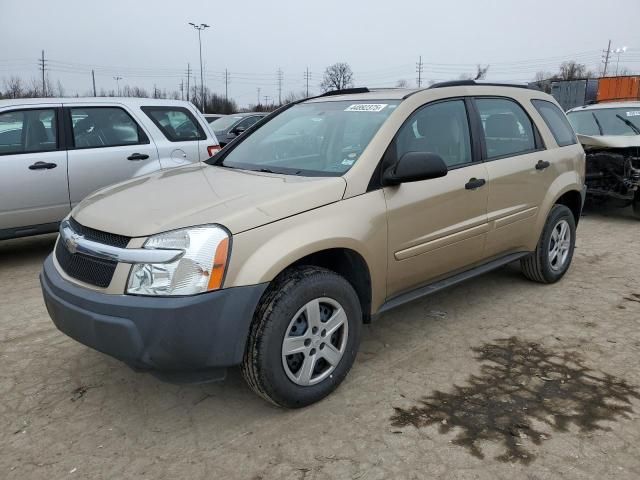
(323,215)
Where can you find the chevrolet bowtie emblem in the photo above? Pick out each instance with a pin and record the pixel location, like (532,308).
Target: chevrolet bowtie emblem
(72,242)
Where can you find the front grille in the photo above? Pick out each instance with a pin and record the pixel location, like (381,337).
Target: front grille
(98,236)
(91,270)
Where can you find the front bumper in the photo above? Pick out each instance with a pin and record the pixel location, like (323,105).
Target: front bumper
(179,334)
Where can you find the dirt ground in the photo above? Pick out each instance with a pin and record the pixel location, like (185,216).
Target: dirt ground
(498,378)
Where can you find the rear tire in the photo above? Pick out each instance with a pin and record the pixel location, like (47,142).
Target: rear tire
(636,205)
(552,257)
(315,315)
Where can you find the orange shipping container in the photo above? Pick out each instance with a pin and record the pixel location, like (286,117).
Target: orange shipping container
(619,88)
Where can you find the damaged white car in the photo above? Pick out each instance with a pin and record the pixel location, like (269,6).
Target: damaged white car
(610,135)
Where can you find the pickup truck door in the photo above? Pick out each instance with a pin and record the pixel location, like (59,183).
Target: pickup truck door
(107,145)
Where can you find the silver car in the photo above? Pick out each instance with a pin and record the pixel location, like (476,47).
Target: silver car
(54,152)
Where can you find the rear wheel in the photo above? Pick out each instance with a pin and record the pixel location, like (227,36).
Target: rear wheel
(552,256)
(304,337)
(636,205)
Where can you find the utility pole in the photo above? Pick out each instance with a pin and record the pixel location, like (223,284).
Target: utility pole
(199,28)
(258,96)
(606,53)
(226,84)
(182,89)
(117,79)
(280,78)
(43,67)
(266,100)
(93,77)
(307,75)
(188,77)
(419,70)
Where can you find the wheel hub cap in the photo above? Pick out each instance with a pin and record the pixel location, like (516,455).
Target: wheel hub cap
(315,341)
(559,245)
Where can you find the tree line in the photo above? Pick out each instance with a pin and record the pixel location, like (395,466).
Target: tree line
(336,77)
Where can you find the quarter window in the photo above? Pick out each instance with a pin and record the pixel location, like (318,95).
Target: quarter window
(441,128)
(98,127)
(176,123)
(28,131)
(507,128)
(556,121)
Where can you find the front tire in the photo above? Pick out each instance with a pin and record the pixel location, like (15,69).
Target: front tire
(554,252)
(304,337)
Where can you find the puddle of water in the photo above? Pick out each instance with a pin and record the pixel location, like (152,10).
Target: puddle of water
(522,382)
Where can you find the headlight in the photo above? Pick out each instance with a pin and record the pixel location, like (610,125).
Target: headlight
(200,269)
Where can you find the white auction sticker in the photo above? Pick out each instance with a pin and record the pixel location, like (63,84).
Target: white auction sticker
(633,113)
(365,107)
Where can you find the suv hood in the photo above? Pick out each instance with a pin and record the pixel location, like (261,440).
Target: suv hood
(201,194)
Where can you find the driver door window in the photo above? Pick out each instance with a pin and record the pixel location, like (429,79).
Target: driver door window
(441,128)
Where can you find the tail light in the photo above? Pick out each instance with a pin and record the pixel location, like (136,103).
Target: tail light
(213,149)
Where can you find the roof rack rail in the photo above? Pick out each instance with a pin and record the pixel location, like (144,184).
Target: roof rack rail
(468,83)
(345,91)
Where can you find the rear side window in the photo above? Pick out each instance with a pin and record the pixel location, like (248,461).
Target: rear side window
(176,123)
(28,131)
(556,121)
(507,127)
(100,127)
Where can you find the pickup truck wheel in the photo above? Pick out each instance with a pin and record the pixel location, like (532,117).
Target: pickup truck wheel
(304,337)
(552,256)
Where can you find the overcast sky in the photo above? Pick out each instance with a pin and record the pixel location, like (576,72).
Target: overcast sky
(150,42)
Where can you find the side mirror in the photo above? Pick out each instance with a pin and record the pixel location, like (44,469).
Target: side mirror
(238,131)
(413,167)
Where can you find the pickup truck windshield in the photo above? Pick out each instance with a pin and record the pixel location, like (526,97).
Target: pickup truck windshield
(606,121)
(312,139)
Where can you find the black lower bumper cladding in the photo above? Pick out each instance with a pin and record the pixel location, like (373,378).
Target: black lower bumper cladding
(167,334)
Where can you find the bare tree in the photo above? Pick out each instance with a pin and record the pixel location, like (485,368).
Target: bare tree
(481,72)
(402,83)
(337,77)
(572,70)
(14,87)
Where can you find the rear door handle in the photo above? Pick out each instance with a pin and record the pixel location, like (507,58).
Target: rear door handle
(42,166)
(138,156)
(542,164)
(474,183)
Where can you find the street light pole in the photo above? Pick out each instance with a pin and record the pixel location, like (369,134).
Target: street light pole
(199,28)
(618,51)
(117,79)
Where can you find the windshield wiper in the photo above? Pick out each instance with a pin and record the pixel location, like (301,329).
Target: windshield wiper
(629,124)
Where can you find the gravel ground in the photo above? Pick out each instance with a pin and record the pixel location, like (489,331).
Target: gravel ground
(498,378)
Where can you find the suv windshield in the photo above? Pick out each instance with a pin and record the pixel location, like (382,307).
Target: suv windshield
(317,138)
(222,123)
(606,121)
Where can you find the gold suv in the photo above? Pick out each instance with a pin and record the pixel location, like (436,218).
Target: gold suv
(323,215)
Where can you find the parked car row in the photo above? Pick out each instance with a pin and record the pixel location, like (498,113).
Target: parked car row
(54,152)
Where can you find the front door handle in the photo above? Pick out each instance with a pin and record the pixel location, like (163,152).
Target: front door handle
(542,164)
(474,183)
(42,166)
(138,156)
